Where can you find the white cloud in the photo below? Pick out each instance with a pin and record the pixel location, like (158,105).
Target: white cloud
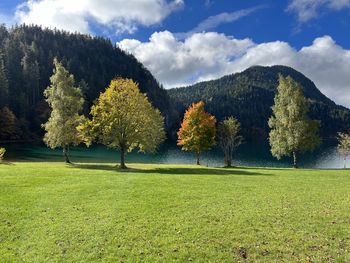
(118,15)
(214,21)
(309,9)
(205,56)
(174,62)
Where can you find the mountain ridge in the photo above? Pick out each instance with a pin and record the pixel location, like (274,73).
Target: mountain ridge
(248,95)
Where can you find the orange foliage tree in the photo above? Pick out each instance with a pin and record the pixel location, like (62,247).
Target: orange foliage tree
(197,132)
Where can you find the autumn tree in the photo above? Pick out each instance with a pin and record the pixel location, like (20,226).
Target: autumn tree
(9,129)
(66,102)
(2,153)
(344,146)
(197,132)
(229,138)
(292,131)
(124,119)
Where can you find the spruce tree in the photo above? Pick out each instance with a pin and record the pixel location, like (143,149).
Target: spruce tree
(4,84)
(292,131)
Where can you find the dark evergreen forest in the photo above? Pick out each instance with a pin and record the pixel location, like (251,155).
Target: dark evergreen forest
(26,64)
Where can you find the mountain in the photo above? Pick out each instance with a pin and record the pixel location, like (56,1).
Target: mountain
(249,95)
(26,64)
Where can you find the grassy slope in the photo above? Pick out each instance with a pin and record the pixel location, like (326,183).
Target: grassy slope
(52,212)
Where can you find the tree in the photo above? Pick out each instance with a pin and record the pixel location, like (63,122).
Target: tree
(2,153)
(66,102)
(8,125)
(197,132)
(228,138)
(124,119)
(292,131)
(344,146)
(31,74)
(4,84)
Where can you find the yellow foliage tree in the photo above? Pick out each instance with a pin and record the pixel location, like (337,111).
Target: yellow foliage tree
(197,132)
(124,119)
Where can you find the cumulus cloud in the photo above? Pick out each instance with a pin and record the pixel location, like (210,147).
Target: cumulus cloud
(205,56)
(119,15)
(174,62)
(309,9)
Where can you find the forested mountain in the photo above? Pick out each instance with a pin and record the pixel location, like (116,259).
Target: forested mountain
(249,95)
(26,64)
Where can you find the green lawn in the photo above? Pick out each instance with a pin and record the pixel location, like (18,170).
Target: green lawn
(160,213)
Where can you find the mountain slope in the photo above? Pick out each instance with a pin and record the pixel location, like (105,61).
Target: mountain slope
(27,53)
(249,96)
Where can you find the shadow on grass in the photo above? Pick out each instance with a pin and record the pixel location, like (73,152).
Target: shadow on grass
(6,163)
(173,170)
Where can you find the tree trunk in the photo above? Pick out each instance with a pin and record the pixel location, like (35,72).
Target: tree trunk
(66,153)
(198,157)
(228,162)
(122,158)
(228,159)
(295,163)
(344,162)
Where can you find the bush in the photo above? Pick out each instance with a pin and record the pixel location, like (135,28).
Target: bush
(2,153)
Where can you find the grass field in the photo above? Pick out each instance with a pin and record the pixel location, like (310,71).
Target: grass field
(50,212)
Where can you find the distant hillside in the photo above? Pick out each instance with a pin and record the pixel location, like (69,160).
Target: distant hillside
(249,96)
(26,56)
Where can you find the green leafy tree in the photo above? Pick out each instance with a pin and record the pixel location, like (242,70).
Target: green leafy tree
(292,131)
(124,119)
(229,138)
(197,131)
(344,146)
(66,102)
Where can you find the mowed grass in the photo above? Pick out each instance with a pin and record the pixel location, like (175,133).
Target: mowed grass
(51,212)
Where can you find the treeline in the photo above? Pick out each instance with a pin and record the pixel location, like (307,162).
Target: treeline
(26,55)
(249,97)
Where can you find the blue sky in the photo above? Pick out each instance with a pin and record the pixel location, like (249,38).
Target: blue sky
(185,41)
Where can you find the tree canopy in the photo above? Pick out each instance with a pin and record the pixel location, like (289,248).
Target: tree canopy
(197,132)
(66,102)
(124,119)
(292,131)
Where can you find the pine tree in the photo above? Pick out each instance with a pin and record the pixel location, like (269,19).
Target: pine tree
(292,131)
(66,102)
(197,132)
(124,119)
(4,84)
(31,74)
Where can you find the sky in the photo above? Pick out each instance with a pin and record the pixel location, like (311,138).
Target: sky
(185,41)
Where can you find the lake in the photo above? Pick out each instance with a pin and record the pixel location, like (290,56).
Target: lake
(248,154)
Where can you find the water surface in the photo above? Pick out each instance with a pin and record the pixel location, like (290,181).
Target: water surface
(248,154)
